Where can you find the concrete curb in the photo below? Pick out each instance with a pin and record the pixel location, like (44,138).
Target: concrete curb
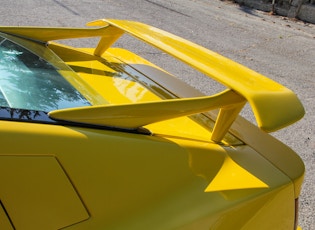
(304,12)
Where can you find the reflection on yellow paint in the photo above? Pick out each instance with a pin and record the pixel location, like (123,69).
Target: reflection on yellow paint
(132,90)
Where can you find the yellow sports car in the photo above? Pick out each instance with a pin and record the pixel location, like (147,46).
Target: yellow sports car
(100,138)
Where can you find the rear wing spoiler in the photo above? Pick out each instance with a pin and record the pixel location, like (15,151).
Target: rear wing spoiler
(273,105)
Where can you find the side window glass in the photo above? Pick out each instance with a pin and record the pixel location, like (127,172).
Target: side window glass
(30,82)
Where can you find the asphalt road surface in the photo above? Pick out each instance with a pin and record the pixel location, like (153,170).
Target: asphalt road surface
(281,49)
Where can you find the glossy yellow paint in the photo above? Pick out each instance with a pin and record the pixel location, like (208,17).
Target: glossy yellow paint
(120,191)
(175,178)
(45,34)
(231,176)
(55,210)
(274,151)
(274,105)
(120,88)
(263,94)
(250,135)
(115,87)
(133,116)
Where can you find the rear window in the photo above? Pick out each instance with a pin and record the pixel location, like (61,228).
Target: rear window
(29,82)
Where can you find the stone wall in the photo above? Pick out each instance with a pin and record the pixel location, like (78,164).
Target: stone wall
(300,9)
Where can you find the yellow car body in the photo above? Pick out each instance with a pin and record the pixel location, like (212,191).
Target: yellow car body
(144,150)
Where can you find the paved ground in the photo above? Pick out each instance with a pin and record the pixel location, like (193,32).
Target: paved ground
(282,49)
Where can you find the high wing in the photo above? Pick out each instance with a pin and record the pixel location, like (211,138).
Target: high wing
(274,105)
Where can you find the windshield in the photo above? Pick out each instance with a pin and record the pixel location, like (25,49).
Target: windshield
(29,82)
